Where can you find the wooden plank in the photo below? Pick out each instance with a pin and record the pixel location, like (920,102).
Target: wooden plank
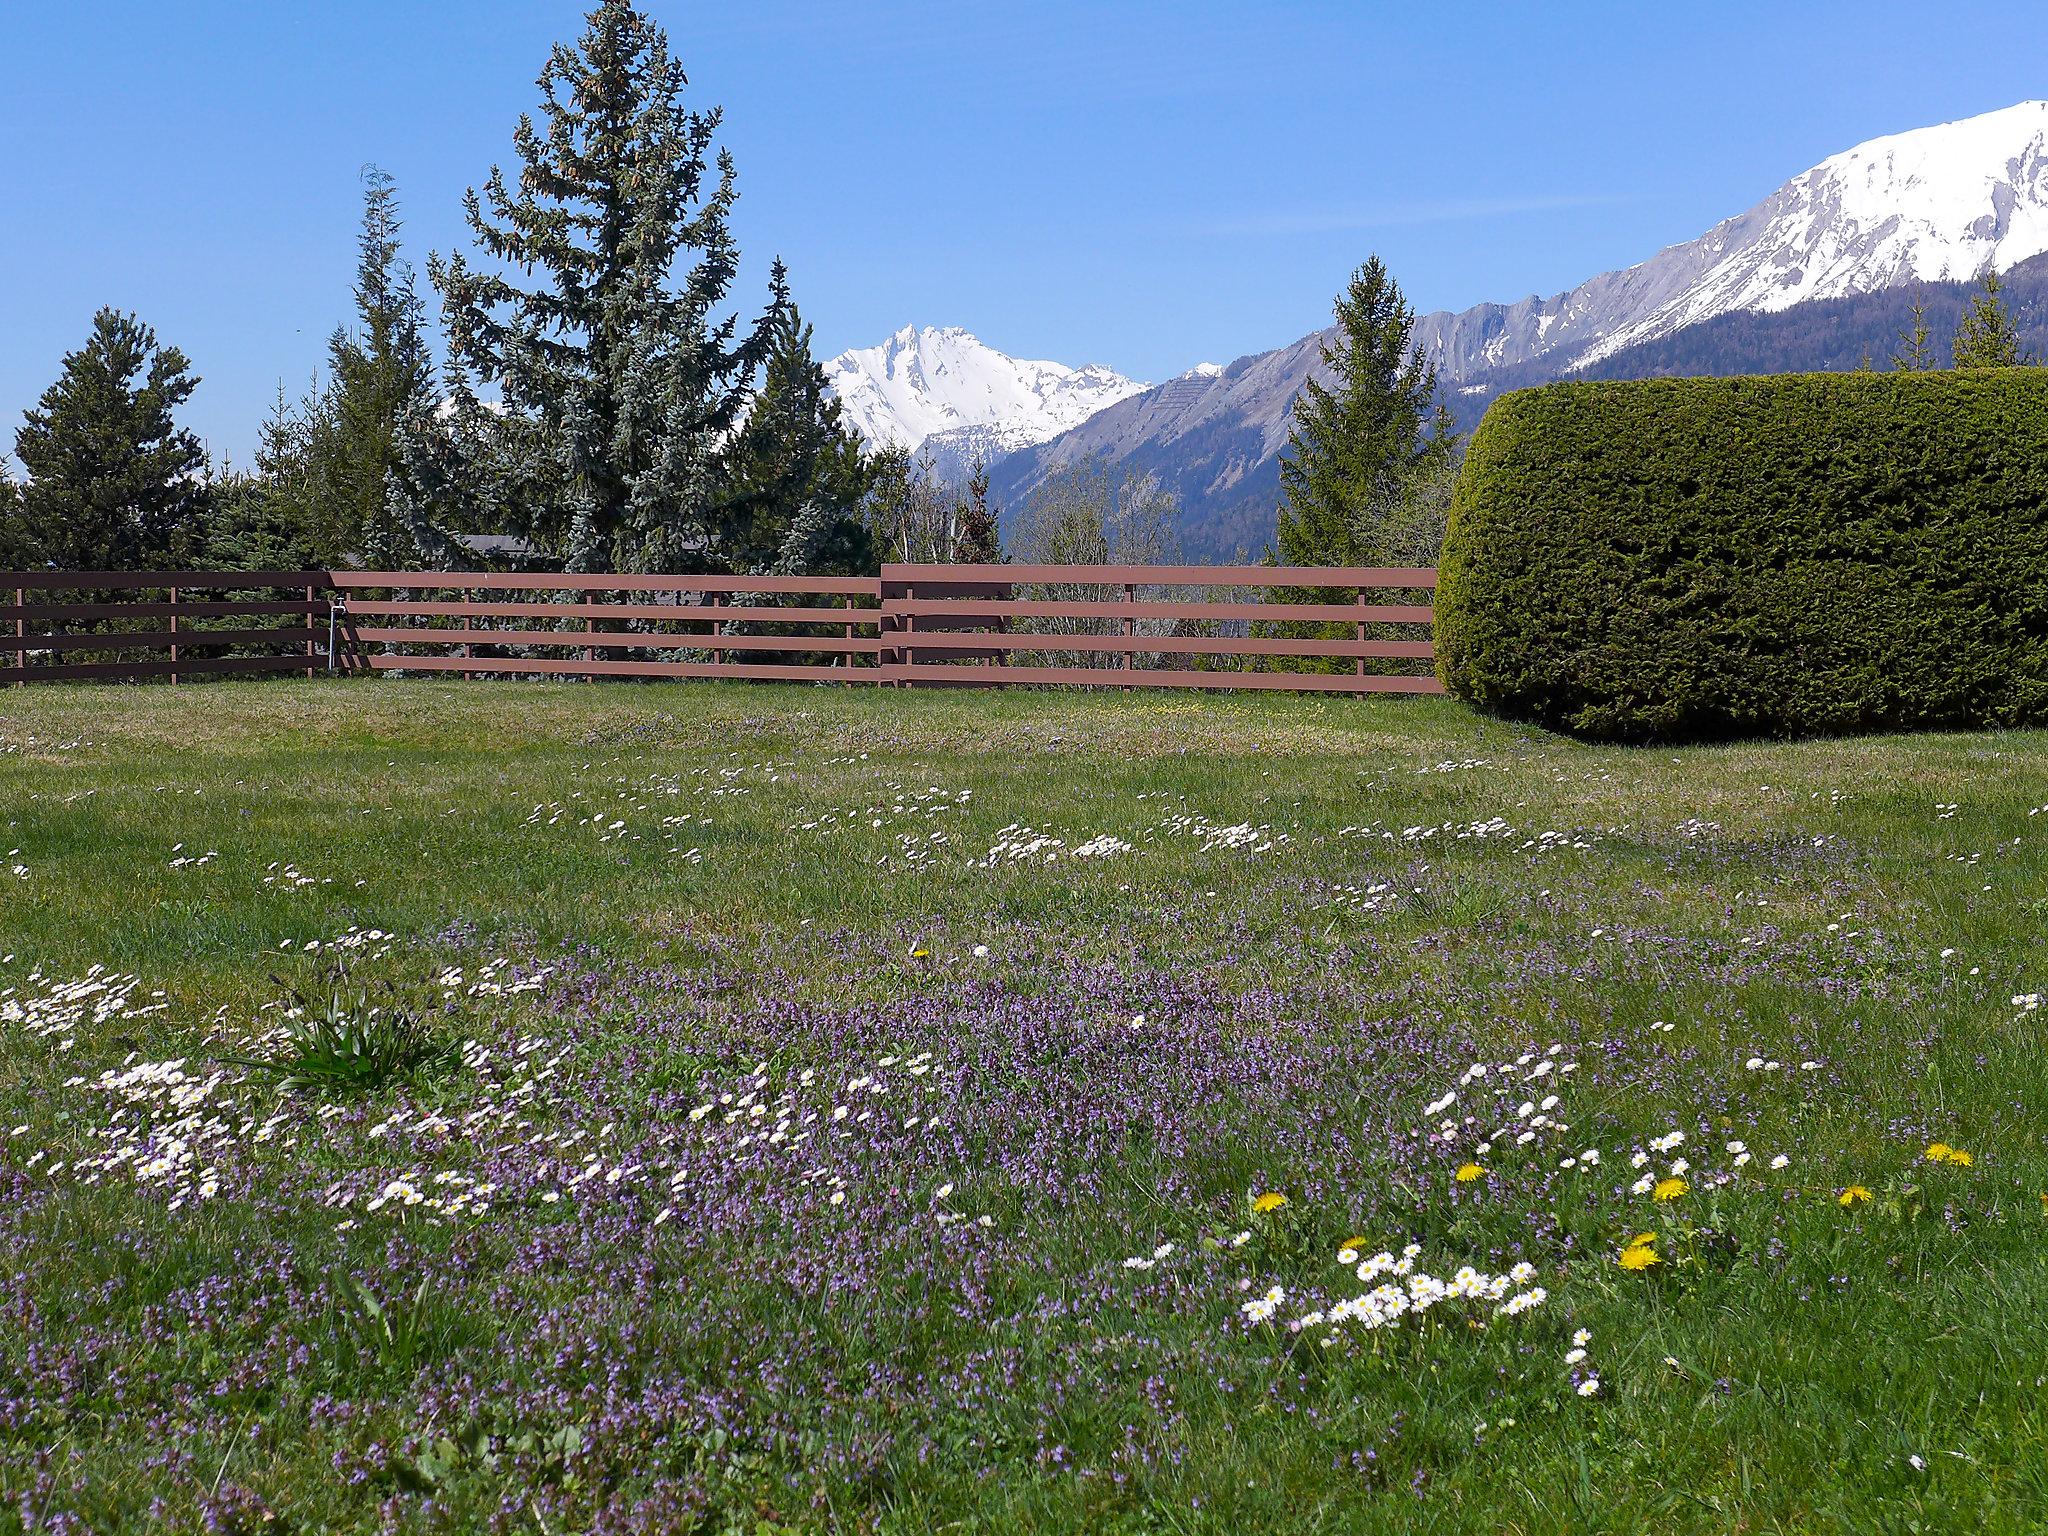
(226,608)
(135,671)
(158,639)
(495,581)
(1105,677)
(612,640)
(679,613)
(571,666)
(1276,613)
(187,581)
(1186,645)
(1349,576)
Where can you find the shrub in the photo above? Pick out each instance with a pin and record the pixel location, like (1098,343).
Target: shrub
(1693,558)
(340,1041)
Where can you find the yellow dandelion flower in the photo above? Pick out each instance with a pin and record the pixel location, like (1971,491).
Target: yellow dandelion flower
(1855,1194)
(1638,1256)
(1357,1244)
(1668,1189)
(920,954)
(1640,1239)
(1960,1158)
(1271,1200)
(1937,1152)
(1467,1172)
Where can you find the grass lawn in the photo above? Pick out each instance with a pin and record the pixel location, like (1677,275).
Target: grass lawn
(913,1111)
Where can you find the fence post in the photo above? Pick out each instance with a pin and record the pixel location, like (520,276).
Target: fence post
(1361,631)
(909,628)
(468,623)
(847,660)
(174,643)
(589,628)
(21,634)
(312,645)
(716,600)
(1130,628)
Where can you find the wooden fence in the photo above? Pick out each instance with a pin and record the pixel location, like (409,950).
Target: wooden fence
(189,623)
(1322,629)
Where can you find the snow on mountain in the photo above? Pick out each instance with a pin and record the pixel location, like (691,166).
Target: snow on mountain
(1935,204)
(949,390)
(1932,205)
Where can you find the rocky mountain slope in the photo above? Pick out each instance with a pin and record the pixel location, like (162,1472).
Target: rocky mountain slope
(1931,207)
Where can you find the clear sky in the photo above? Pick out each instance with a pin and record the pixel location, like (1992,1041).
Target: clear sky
(1138,183)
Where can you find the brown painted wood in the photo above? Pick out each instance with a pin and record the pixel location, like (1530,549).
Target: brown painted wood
(157,639)
(497,581)
(672,613)
(1347,576)
(135,671)
(1104,677)
(572,666)
(224,608)
(1290,613)
(1180,645)
(613,640)
(188,581)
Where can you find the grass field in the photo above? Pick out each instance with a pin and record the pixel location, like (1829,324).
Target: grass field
(805,1110)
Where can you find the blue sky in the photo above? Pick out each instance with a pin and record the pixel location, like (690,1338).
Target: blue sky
(1146,185)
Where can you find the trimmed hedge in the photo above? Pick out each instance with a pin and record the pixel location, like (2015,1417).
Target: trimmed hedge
(1683,559)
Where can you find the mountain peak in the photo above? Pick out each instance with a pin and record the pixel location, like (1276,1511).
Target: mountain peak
(1937,204)
(926,381)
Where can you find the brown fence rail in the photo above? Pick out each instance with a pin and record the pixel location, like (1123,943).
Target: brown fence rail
(1352,629)
(68,626)
(1178,626)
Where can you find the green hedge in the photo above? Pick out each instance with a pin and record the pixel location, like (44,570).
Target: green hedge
(1680,559)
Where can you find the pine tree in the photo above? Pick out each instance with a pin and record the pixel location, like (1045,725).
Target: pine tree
(980,538)
(114,482)
(1987,338)
(795,475)
(1916,354)
(1360,444)
(278,517)
(380,373)
(18,552)
(622,382)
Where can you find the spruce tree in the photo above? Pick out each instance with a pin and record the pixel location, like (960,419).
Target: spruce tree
(980,538)
(796,475)
(114,482)
(380,373)
(1362,443)
(277,518)
(621,379)
(1986,337)
(1916,346)
(18,552)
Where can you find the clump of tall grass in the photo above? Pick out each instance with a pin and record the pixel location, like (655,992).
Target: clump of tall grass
(355,1038)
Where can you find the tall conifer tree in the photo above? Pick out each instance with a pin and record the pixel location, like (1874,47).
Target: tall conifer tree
(981,540)
(621,378)
(114,482)
(795,476)
(1916,345)
(18,551)
(1986,337)
(1361,443)
(380,373)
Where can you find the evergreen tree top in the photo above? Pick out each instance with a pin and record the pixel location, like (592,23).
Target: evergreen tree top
(599,320)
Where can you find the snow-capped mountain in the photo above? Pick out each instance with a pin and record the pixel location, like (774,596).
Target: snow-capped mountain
(1935,205)
(947,391)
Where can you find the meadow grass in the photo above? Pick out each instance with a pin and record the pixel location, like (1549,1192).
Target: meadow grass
(834,1109)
